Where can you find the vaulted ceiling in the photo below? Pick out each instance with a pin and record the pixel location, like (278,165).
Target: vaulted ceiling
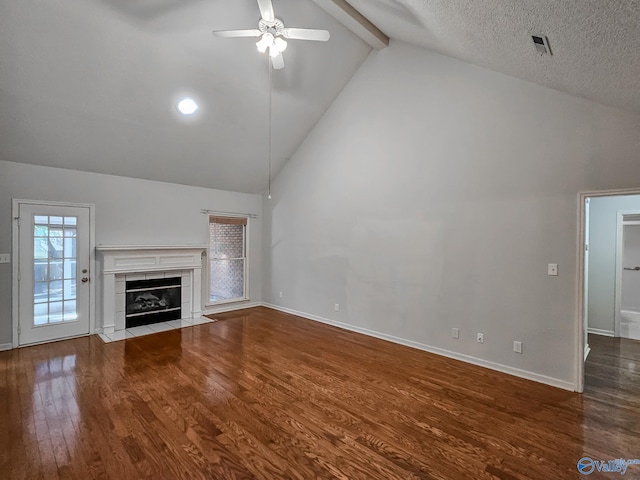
(92,84)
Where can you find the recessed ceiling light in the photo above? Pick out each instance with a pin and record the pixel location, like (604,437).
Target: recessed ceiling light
(187,106)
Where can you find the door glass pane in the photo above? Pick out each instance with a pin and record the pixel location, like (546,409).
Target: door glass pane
(55,247)
(40,248)
(69,247)
(55,291)
(70,268)
(54,269)
(41,292)
(40,313)
(40,271)
(55,312)
(69,289)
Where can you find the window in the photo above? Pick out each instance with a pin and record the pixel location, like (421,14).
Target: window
(227,259)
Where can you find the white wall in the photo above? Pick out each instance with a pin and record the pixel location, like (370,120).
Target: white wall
(432,195)
(128,211)
(603,212)
(631,278)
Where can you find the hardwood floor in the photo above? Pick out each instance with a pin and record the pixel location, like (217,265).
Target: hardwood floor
(262,394)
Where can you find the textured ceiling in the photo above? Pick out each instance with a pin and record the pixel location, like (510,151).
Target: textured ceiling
(92,85)
(595,43)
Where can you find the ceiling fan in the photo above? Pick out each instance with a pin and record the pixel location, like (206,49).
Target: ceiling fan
(273,33)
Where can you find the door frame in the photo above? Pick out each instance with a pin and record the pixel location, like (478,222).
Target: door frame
(620,223)
(581,328)
(15,293)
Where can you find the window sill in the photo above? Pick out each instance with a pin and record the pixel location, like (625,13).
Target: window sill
(226,302)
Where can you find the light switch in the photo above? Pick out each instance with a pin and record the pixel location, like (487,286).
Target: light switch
(5,258)
(552,270)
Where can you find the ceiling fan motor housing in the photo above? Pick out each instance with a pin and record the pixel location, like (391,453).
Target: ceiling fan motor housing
(274,28)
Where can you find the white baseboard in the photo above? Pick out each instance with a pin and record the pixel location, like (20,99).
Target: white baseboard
(554,382)
(598,331)
(5,346)
(230,307)
(587,350)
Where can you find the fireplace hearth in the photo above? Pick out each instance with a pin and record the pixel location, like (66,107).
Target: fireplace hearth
(152,301)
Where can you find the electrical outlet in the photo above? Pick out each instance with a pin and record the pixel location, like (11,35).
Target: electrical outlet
(552,269)
(480,338)
(5,258)
(517,346)
(455,333)
(280,294)
(337,307)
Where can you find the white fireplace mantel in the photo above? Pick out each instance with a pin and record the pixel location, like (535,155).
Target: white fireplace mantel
(118,261)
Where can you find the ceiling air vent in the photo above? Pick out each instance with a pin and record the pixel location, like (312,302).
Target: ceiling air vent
(542,44)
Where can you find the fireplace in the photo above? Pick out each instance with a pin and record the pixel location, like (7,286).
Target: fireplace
(153,301)
(123,265)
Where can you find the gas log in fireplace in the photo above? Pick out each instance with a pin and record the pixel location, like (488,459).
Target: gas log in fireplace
(152,301)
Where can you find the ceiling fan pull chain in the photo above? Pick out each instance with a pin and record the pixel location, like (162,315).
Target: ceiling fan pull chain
(270,115)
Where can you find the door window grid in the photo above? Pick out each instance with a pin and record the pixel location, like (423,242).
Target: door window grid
(54,269)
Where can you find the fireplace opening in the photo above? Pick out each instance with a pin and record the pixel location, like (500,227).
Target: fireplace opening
(152,301)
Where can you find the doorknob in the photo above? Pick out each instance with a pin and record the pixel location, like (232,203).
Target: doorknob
(84,279)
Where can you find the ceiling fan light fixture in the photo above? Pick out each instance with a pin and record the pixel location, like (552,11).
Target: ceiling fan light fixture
(280,43)
(265,42)
(273,51)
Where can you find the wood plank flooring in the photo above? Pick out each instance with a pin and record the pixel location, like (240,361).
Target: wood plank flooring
(266,395)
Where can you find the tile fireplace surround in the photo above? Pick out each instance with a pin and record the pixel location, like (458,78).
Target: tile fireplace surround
(122,263)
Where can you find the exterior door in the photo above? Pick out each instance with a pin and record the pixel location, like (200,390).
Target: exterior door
(53,272)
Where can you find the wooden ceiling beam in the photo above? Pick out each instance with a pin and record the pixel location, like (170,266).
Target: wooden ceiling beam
(343,12)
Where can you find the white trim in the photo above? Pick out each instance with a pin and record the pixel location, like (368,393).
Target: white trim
(227,301)
(580,319)
(232,308)
(580,274)
(599,331)
(587,351)
(15,263)
(15,300)
(207,283)
(229,214)
(5,346)
(554,382)
(125,248)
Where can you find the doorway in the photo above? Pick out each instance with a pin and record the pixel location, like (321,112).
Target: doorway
(53,245)
(601,265)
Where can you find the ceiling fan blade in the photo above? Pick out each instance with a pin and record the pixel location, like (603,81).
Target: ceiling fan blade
(306,34)
(237,33)
(266,10)
(277,62)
